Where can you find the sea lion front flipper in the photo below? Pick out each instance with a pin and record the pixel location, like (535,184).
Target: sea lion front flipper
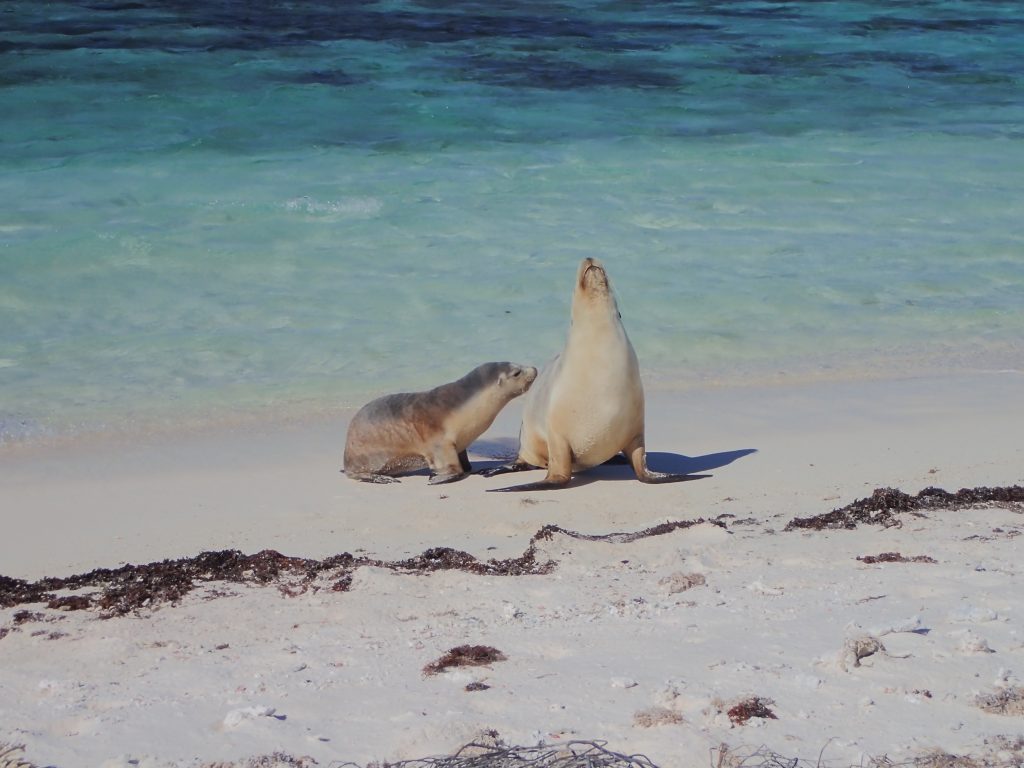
(665,477)
(449,477)
(373,477)
(464,462)
(446,464)
(559,469)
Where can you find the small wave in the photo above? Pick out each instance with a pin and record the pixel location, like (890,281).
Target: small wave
(352,206)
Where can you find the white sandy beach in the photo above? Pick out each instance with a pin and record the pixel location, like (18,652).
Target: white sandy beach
(645,645)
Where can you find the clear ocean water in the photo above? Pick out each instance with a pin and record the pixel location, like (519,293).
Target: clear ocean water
(219,208)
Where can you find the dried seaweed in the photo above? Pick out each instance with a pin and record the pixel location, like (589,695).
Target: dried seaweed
(123,590)
(465,656)
(895,557)
(448,559)
(129,588)
(274,760)
(653,717)
(626,537)
(762,757)
(1006,701)
(884,506)
(755,706)
(12,756)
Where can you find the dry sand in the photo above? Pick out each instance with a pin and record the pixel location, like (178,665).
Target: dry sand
(659,645)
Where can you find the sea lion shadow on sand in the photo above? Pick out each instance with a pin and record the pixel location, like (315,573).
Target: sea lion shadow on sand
(678,464)
(501,449)
(498,451)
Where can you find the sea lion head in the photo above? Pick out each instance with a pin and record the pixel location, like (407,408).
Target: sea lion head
(517,378)
(593,297)
(511,379)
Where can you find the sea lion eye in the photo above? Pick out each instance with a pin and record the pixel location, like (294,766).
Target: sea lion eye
(517,373)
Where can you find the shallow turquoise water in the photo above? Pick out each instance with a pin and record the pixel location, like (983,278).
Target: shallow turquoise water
(217,208)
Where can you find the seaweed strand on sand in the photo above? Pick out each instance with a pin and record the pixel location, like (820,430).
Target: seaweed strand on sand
(119,591)
(884,506)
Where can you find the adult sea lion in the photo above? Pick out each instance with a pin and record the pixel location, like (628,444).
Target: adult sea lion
(396,434)
(587,405)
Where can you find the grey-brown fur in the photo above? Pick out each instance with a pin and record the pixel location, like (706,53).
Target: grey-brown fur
(396,434)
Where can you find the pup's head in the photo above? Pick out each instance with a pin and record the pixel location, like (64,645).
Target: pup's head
(512,379)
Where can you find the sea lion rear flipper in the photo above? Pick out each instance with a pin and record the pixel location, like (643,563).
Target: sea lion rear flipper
(664,477)
(559,468)
(515,466)
(638,458)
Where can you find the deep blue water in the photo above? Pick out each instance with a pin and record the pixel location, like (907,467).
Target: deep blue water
(221,208)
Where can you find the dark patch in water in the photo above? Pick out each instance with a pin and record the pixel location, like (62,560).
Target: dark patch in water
(114,7)
(335,78)
(559,74)
(886,24)
(233,26)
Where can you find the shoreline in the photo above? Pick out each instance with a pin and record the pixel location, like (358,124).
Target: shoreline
(237,409)
(278,484)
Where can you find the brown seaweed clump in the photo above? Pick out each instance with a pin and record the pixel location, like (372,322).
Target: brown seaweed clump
(884,506)
(120,591)
(1006,701)
(895,557)
(465,656)
(754,706)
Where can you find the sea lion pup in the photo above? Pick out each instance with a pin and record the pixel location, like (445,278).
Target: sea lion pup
(396,434)
(588,403)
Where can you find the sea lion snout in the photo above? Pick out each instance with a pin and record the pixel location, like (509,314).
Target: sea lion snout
(522,377)
(592,277)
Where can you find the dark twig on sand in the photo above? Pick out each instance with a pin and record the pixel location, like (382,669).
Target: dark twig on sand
(572,754)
